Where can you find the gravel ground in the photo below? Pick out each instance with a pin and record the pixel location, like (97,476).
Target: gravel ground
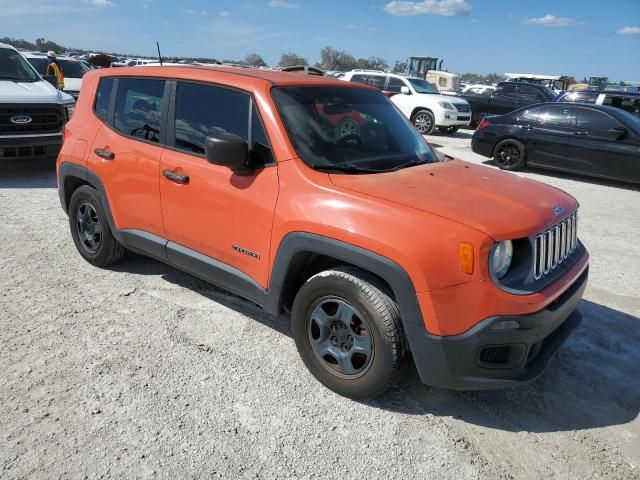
(144,371)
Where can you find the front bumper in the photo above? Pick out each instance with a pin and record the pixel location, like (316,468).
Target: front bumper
(449,118)
(483,358)
(30,147)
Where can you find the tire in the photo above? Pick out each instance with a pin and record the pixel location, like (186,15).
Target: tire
(448,130)
(510,154)
(336,354)
(424,121)
(90,229)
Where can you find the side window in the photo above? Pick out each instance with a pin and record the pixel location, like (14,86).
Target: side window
(103,97)
(530,116)
(138,105)
(628,104)
(532,92)
(593,120)
(376,81)
(506,89)
(260,153)
(203,110)
(395,84)
(554,115)
(359,78)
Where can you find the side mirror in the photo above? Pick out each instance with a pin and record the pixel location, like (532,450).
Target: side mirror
(405,90)
(619,133)
(230,151)
(52,79)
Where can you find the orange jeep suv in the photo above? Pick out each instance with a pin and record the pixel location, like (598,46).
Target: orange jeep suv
(316,198)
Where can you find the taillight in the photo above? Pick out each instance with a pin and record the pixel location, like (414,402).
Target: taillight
(483,124)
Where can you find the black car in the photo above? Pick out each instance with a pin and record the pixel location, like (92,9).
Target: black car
(590,139)
(507,97)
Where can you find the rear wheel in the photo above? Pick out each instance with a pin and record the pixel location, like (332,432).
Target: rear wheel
(510,154)
(424,121)
(349,333)
(448,130)
(90,229)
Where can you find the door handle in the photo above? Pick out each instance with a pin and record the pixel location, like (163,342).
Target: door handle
(581,133)
(176,177)
(527,127)
(106,154)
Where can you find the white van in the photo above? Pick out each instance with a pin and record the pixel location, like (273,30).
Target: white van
(32,111)
(418,100)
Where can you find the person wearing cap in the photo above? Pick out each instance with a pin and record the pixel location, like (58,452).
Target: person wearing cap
(54,68)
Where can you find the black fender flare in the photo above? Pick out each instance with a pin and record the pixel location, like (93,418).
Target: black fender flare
(392,273)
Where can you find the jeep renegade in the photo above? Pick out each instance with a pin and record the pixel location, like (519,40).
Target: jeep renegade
(317,198)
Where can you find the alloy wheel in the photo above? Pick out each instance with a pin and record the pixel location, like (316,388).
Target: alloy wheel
(423,123)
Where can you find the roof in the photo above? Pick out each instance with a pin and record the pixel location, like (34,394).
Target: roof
(4,45)
(201,72)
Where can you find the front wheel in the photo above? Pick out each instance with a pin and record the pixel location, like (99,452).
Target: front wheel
(510,154)
(349,333)
(448,130)
(424,121)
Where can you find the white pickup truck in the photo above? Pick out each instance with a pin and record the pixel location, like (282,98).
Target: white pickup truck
(32,111)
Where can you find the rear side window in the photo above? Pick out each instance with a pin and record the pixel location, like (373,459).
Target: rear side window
(506,88)
(138,108)
(103,97)
(549,115)
(376,81)
(203,110)
(359,78)
(594,120)
(532,92)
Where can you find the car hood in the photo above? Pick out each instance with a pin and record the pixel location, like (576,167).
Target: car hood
(500,204)
(31,92)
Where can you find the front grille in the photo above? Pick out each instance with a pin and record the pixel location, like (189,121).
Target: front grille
(28,151)
(44,119)
(462,107)
(554,246)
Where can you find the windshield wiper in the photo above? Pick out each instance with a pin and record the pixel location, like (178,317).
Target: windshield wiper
(412,163)
(344,168)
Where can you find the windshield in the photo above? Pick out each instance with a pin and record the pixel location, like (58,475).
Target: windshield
(14,67)
(422,86)
(349,129)
(70,68)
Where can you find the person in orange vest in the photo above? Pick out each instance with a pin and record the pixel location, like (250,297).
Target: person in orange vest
(54,68)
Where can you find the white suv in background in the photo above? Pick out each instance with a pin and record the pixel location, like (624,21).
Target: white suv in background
(418,100)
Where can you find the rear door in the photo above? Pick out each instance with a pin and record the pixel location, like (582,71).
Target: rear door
(545,132)
(127,148)
(215,212)
(597,149)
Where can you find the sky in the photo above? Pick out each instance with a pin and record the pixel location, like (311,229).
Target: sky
(568,37)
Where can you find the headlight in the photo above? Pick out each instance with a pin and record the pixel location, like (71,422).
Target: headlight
(446,105)
(500,258)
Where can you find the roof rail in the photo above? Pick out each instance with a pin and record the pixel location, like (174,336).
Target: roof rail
(368,70)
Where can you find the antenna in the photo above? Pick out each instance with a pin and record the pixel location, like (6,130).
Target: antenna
(159,54)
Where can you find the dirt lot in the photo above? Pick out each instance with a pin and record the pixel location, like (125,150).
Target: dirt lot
(143,371)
